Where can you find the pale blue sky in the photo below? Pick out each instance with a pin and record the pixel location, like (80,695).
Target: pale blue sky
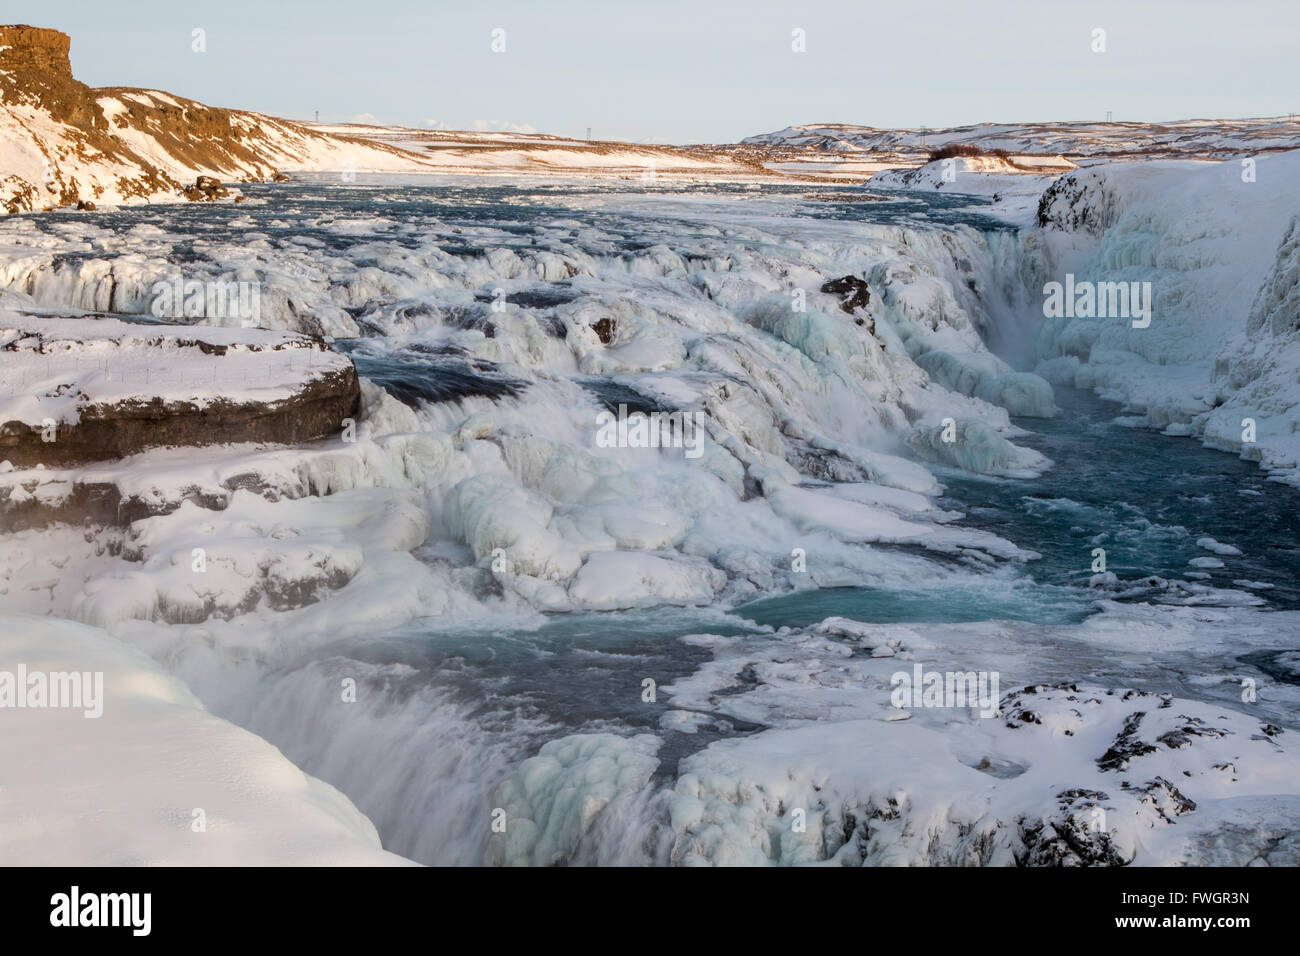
(695,70)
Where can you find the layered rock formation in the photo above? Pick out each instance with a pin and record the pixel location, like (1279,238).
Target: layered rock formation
(80,390)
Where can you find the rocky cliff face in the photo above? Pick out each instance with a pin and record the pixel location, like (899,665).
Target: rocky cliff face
(62,142)
(35,69)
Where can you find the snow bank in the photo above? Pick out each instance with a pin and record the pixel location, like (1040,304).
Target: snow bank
(156,780)
(1069,776)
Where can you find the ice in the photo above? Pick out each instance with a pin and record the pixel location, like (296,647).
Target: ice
(977,447)
(1218,547)
(619,579)
(553,798)
(1218,360)
(476,498)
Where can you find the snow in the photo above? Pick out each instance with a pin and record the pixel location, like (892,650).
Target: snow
(617,579)
(55,367)
(1080,139)
(1218,547)
(1013,184)
(826,435)
(147,766)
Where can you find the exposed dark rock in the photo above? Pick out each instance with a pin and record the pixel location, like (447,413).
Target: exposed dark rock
(853,292)
(1164,798)
(206,189)
(1078,202)
(1125,746)
(604,329)
(854,299)
(1076,835)
(109,431)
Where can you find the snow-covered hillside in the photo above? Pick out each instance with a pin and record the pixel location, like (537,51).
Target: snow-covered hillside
(1138,141)
(62,143)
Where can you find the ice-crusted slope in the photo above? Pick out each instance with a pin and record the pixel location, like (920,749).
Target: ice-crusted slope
(1219,244)
(189,788)
(813,409)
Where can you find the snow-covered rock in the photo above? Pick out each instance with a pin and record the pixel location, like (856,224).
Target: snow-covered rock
(78,390)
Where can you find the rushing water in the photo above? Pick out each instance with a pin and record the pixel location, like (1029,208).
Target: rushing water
(450,706)
(1145,498)
(475,700)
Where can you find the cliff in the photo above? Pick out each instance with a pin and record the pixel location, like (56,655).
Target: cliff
(62,142)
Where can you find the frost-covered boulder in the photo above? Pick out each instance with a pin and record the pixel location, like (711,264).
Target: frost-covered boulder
(974,446)
(551,800)
(623,579)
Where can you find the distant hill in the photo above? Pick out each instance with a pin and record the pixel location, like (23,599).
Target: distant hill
(1185,139)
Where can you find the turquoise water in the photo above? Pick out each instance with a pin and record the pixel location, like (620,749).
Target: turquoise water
(452,703)
(1143,497)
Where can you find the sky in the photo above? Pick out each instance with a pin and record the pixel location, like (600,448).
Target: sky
(693,71)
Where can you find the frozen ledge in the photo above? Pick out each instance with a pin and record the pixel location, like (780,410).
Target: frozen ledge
(81,390)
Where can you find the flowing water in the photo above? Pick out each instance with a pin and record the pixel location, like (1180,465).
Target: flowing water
(452,705)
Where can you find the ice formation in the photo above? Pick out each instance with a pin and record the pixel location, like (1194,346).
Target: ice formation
(473,490)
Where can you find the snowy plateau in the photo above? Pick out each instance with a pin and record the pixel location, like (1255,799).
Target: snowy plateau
(370,578)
